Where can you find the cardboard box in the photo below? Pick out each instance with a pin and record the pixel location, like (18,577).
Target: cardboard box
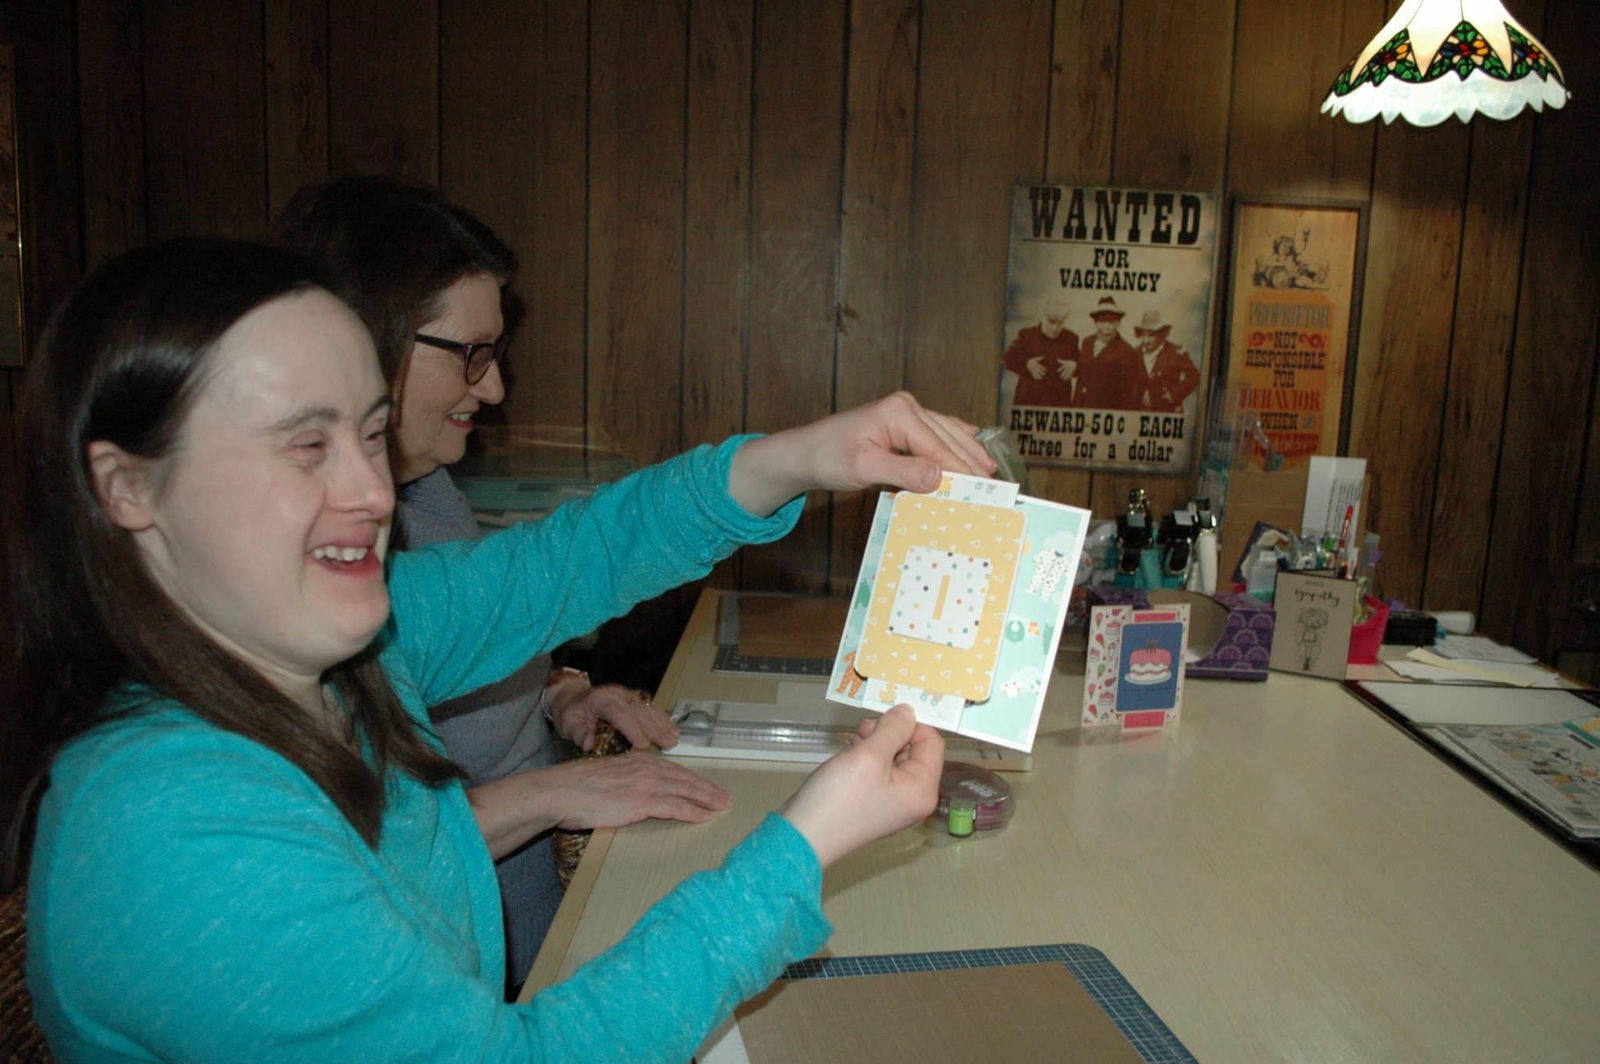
(1276,499)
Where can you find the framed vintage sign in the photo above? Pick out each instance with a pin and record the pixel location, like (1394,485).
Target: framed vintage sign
(1293,305)
(1108,318)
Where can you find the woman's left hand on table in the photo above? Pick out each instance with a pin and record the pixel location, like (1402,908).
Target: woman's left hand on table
(576,708)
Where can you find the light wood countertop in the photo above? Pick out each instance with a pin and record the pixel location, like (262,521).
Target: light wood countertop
(1283,875)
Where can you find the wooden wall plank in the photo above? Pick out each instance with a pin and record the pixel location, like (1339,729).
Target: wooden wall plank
(980,129)
(383,88)
(296,36)
(1085,59)
(204,133)
(635,283)
(1285,60)
(513,145)
(717,207)
(1082,128)
(636,225)
(1401,372)
(1181,144)
(48,159)
(716,273)
(49,192)
(111,116)
(874,238)
(1548,411)
(796,168)
(1586,531)
(1578,23)
(1581,666)
(1480,354)
(10,445)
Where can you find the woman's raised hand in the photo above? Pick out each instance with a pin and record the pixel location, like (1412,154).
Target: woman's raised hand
(894,441)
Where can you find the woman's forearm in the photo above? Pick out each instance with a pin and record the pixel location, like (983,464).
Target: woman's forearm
(514,809)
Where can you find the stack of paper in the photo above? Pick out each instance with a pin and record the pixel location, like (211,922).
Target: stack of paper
(1476,659)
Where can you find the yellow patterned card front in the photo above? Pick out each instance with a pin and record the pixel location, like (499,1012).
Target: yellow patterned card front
(937,615)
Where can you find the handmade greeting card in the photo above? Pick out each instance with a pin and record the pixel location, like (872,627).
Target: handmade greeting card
(1315,613)
(959,606)
(1133,672)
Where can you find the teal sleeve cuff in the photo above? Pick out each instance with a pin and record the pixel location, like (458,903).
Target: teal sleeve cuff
(733,519)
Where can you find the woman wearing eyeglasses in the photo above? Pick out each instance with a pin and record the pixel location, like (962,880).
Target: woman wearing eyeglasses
(427,278)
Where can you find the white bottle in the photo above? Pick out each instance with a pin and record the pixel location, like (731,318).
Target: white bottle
(1205,562)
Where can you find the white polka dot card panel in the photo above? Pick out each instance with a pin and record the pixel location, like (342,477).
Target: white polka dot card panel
(941,595)
(984,490)
(940,527)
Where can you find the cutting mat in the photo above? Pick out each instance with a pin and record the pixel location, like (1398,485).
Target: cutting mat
(1153,1040)
(778,635)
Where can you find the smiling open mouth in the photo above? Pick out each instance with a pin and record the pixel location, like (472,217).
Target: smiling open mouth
(340,554)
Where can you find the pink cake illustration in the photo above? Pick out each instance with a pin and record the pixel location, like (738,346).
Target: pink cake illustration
(1150,665)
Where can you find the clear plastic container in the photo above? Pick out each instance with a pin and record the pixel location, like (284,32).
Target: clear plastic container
(990,794)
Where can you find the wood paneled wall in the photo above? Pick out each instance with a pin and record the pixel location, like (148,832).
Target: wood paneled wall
(737,214)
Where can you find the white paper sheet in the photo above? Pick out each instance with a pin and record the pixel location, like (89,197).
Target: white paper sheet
(1479,648)
(1416,670)
(1491,672)
(724,1046)
(1332,486)
(1423,703)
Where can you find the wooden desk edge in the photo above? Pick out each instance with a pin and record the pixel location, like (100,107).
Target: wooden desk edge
(547,965)
(553,951)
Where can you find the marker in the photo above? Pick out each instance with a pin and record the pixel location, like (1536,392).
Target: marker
(1344,538)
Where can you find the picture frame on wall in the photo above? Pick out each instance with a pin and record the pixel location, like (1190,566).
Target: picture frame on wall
(1293,312)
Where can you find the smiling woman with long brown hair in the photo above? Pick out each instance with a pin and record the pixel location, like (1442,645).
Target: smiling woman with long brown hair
(249,845)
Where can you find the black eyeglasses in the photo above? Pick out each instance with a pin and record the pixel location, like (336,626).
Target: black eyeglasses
(475,358)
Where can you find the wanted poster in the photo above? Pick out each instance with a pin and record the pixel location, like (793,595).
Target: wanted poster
(1108,316)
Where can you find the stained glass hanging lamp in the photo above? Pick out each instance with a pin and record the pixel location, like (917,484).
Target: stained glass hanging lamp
(1437,58)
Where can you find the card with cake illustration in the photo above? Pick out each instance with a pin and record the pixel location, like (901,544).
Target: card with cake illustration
(1133,672)
(958,607)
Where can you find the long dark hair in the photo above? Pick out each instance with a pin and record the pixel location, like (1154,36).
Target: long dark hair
(392,249)
(122,361)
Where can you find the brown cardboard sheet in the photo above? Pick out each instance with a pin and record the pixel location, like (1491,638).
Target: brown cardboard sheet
(1276,499)
(790,626)
(1027,1012)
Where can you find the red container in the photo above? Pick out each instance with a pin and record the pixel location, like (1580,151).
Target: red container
(1367,637)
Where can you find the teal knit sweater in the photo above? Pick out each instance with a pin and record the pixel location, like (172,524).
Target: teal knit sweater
(194,897)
